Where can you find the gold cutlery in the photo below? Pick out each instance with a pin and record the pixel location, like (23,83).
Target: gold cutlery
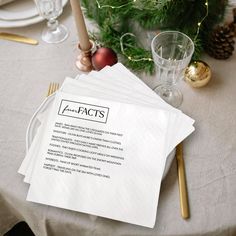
(182,182)
(53,87)
(18,38)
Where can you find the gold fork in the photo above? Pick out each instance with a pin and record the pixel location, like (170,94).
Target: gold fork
(53,87)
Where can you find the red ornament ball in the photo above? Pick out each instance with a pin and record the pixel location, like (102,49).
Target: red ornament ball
(104,57)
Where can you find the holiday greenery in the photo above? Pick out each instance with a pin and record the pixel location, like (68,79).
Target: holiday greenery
(196,18)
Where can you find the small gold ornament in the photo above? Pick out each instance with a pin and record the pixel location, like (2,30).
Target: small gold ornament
(197,74)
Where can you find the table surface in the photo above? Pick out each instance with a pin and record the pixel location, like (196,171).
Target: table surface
(25,73)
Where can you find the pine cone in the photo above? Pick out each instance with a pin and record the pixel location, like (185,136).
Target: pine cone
(220,44)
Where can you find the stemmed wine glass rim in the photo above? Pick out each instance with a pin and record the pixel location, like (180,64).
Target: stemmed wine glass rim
(172,31)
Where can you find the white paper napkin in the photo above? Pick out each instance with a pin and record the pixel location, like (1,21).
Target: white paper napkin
(132,187)
(153,129)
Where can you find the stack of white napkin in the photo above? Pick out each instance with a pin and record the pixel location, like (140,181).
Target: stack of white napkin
(102,146)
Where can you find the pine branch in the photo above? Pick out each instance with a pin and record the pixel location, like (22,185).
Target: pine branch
(181,15)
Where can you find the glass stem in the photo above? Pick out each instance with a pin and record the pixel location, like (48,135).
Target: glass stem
(167,89)
(52,24)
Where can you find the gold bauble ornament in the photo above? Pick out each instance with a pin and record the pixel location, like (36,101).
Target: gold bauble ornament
(197,74)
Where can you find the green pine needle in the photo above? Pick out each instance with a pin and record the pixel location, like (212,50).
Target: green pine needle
(181,15)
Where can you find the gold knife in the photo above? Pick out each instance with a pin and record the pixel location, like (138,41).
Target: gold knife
(18,38)
(183,194)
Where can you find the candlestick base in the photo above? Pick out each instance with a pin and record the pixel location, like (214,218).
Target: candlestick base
(83,61)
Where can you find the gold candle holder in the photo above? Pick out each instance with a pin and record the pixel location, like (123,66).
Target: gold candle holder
(84,62)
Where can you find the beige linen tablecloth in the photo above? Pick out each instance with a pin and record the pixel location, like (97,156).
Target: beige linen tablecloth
(2,2)
(210,153)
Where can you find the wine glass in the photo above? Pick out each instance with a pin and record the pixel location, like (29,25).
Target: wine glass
(50,10)
(172,52)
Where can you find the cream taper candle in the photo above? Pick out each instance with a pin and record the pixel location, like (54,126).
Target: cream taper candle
(84,42)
